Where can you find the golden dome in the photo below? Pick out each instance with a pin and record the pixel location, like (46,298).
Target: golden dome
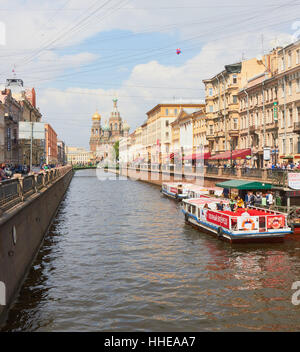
(96,116)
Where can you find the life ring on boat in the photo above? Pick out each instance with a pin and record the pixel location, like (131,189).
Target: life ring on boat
(220,232)
(248,221)
(275,223)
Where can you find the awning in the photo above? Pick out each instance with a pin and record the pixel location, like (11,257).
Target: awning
(236,154)
(246,185)
(197,156)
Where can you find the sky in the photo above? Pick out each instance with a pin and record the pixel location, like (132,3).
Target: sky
(79,55)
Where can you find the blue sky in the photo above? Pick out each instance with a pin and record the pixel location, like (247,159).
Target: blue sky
(78,55)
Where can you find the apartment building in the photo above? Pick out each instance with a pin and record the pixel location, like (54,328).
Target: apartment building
(222,104)
(159,127)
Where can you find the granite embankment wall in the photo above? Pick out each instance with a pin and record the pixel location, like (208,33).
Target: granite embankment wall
(27,208)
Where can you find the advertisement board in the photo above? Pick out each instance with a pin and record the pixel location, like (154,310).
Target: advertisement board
(294,180)
(218,219)
(275,222)
(36,128)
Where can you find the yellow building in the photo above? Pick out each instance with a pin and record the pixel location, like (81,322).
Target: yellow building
(78,156)
(222,104)
(159,130)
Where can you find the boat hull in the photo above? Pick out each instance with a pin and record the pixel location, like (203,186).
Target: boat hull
(175,196)
(251,238)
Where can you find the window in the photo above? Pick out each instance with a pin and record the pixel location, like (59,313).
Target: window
(167,123)
(298,113)
(211,108)
(298,56)
(282,119)
(234,79)
(282,91)
(291,146)
(167,112)
(282,64)
(298,85)
(234,99)
(235,124)
(290,117)
(175,111)
(290,87)
(210,92)
(289,59)
(167,134)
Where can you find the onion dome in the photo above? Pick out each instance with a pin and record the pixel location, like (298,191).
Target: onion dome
(96,116)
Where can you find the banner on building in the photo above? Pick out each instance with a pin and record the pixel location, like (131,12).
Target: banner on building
(37,129)
(294,180)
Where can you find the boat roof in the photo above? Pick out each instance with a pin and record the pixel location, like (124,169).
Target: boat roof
(203,188)
(205,200)
(175,184)
(244,185)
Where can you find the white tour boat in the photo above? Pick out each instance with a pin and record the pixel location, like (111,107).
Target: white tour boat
(176,190)
(243,225)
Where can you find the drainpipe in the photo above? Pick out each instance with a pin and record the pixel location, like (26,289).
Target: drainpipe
(284,88)
(248,118)
(224,99)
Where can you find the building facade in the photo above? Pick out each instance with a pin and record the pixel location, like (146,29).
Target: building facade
(50,145)
(10,115)
(78,156)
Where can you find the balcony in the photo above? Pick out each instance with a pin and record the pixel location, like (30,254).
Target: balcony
(253,129)
(233,133)
(297,127)
(210,136)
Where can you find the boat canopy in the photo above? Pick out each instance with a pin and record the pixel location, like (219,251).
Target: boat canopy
(235,154)
(244,185)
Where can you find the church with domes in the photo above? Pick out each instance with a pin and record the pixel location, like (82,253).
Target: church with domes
(104,137)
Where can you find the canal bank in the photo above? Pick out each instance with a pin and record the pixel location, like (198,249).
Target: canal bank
(28,206)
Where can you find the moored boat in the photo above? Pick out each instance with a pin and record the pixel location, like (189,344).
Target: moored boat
(196,191)
(243,225)
(176,190)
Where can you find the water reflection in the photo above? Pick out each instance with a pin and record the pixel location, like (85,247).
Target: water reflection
(119,257)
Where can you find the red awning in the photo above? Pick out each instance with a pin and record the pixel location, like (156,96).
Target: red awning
(197,156)
(236,154)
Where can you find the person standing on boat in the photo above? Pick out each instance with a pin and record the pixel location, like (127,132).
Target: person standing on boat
(220,206)
(270,199)
(232,204)
(264,200)
(257,200)
(240,203)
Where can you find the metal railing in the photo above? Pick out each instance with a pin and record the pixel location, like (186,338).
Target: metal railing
(228,171)
(16,190)
(214,170)
(256,173)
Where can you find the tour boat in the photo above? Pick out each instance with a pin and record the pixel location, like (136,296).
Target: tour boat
(196,191)
(176,190)
(243,225)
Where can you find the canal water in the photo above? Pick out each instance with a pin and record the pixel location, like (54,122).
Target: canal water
(119,257)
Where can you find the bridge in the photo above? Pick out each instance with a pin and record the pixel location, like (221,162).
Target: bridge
(83,167)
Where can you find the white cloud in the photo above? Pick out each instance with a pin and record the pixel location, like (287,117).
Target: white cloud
(219,33)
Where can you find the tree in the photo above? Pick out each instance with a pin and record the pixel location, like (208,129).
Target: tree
(116,148)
